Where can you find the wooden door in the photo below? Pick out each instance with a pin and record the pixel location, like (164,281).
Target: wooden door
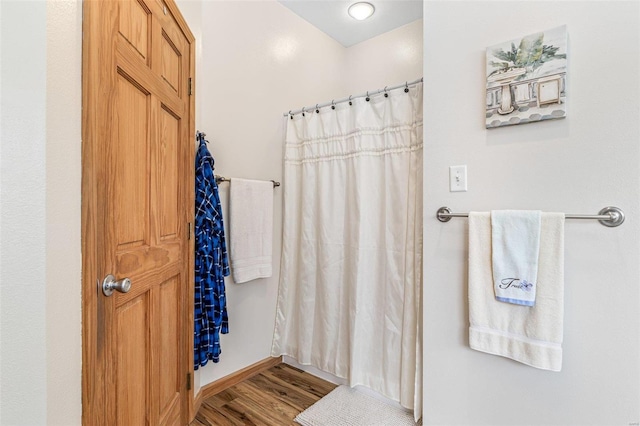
(137,189)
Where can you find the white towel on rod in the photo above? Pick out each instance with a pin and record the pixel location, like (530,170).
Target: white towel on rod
(250,229)
(530,335)
(515,245)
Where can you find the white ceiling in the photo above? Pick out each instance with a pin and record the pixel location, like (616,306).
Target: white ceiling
(330,16)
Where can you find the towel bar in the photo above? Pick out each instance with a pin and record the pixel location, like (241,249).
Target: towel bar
(608,216)
(224,179)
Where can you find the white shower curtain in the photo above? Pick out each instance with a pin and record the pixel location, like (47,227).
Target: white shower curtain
(350,280)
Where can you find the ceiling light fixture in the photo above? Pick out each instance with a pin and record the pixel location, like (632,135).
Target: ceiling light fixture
(361,10)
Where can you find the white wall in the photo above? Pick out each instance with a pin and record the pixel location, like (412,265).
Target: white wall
(580,164)
(386,60)
(40,213)
(22,214)
(63,205)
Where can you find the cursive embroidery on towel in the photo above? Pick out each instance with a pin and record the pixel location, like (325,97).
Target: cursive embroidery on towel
(523,285)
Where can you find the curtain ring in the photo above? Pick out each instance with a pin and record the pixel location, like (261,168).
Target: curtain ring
(386,95)
(303,108)
(350,103)
(317,109)
(333,105)
(291,115)
(367,99)
(406,87)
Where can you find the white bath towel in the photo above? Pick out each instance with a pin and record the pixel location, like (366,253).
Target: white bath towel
(250,229)
(531,335)
(515,244)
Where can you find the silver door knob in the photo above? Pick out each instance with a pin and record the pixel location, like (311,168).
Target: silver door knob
(110,284)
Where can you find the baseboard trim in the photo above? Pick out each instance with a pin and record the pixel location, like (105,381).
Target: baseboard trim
(226,382)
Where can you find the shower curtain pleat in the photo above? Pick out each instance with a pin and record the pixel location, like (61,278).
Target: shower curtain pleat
(350,282)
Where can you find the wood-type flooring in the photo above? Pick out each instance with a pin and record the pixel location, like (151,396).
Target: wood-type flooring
(271,398)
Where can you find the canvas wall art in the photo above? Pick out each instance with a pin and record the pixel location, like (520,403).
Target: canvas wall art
(527,79)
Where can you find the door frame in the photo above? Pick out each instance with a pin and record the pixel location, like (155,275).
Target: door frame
(95,103)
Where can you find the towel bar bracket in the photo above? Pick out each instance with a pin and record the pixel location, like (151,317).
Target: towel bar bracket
(444,214)
(608,216)
(616,216)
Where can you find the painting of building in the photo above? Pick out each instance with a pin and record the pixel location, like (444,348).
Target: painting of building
(527,79)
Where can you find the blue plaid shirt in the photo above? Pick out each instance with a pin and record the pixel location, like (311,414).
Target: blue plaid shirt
(211,264)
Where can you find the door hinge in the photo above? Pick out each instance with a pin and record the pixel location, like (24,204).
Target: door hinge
(188,381)
(189,231)
(189,86)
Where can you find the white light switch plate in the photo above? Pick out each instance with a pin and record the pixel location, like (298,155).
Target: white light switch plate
(457,178)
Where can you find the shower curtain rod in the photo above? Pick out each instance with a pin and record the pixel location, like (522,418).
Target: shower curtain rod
(350,98)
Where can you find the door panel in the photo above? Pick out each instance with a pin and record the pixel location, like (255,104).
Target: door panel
(138,126)
(167,170)
(129,151)
(168,334)
(134,25)
(171,63)
(131,367)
